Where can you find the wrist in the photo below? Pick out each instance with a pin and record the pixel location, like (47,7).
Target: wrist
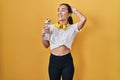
(74,10)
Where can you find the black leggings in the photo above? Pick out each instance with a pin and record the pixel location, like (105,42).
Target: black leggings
(61,66)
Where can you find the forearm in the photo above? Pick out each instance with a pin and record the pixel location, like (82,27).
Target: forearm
(81,17)
(45,42)
(79,14)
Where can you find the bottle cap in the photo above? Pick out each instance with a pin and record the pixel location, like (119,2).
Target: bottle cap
(47,21)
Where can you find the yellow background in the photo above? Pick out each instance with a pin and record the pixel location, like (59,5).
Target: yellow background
(96,50)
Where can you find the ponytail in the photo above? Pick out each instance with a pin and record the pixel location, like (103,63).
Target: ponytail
(70,20)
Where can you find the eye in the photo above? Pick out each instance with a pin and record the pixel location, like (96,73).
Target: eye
(63,10)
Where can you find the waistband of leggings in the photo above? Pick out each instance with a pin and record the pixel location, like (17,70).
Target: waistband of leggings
(68,54)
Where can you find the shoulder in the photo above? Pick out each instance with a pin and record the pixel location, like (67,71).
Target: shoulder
(74,27)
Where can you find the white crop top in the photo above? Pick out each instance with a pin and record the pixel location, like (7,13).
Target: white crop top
(60,37)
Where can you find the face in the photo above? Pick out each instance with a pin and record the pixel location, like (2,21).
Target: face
(63,13)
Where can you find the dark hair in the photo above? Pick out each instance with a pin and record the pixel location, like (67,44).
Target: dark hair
(70,20)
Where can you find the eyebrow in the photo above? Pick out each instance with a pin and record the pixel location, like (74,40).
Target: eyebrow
(62,8)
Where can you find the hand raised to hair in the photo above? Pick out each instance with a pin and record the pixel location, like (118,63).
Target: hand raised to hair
(73,9)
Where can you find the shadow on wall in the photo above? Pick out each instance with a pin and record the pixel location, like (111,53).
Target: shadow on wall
(78,49)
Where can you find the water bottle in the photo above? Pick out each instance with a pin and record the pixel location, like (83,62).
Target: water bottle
(47,35)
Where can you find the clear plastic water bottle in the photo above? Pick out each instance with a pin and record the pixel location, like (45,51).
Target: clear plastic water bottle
(47,35)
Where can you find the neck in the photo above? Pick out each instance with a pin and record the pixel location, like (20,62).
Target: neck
(63,22)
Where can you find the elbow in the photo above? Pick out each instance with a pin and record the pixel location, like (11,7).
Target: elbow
(84,19)
(46,46)
(45,43)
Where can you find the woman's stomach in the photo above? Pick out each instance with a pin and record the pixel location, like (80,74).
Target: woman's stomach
(60,51)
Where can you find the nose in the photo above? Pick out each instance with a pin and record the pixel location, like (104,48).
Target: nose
(59,12)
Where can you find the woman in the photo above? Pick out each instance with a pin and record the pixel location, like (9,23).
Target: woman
(61,37)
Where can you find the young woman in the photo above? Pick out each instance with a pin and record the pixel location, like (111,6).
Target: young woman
(61,36)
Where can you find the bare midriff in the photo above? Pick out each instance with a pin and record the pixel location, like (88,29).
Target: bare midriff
(60,51)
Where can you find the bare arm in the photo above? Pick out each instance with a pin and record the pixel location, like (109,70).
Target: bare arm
(45,42)
(81,17)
